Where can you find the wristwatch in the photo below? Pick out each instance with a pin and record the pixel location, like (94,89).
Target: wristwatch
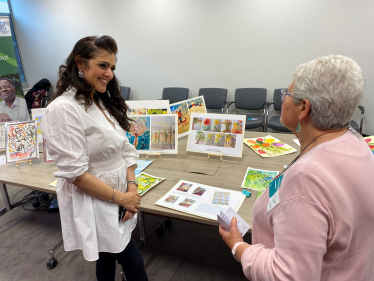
(234,249)
(134,182)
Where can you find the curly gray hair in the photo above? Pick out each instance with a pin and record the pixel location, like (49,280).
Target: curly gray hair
(334,86)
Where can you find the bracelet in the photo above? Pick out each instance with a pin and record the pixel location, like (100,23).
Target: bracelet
(134,182)
(233,250)
(114,194)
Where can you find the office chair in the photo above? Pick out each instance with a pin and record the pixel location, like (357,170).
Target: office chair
(274,122)
(174,94)
(215,98)
(125,92)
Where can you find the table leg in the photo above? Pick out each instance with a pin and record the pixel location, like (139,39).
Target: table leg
(141,224)
(4,193)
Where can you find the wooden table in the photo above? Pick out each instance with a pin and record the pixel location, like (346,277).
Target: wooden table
(229,175)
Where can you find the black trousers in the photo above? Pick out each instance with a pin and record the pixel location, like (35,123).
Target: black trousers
(130,259)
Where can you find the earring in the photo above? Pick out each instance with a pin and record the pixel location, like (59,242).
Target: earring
(298,128)
(80,74)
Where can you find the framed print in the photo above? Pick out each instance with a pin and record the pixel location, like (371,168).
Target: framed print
(148,107)
(47,157)
(21,141)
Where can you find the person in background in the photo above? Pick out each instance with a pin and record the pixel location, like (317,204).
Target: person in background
(84,128)
(319,224)
(12,108)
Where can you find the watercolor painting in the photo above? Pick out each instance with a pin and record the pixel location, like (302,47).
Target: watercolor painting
(237,127)
(38,120)
(196,105)
(219,140)
(216,125)
(258,179)
(139,134)
(163,132)
(183,116)
(157,111)
(184,187)
(199,191)
(187,203)
(199,137)
(221,198)
(207,124)
(146,182)
(47,156)
(21,141)
(269,146)
(196,123)
(137,111)
(209,138)
(369,140)
(226,126)
(142,164)
(171,199)
(230,140)
(2,136)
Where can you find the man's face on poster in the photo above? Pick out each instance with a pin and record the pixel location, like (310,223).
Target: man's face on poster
(7,91)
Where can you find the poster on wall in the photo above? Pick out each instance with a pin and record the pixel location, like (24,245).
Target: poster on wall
(154,133)
(184,109)
(217,133)
(37,115)
(143,107)
(21,141)
(12,101)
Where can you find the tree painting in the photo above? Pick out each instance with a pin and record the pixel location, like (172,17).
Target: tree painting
(139,134)
(226,126)
(199,137)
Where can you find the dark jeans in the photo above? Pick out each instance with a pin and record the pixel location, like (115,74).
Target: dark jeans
(130,259)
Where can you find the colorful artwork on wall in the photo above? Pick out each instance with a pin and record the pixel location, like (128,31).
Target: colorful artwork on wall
(258,179)
(269,146)
(21,141)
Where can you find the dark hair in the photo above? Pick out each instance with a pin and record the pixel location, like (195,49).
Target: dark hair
(87,48)
(9,80)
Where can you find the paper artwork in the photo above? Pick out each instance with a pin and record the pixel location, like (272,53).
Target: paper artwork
(258,179)
(163,132)
(142,164)
(370,141)
(146,182)
(47,157)
(148,107)
(140,131)
(37,115)
(269,146)
(201,200)
(210,133)
(2,136)
(184,109)
(21,141)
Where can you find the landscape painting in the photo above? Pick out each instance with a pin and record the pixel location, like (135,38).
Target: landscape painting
(196,105)
(163,132)
(139,134)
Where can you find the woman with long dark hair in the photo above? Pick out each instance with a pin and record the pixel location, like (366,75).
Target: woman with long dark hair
(85,127)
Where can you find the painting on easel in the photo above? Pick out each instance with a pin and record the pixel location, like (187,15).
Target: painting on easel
(21,141)
(163,132)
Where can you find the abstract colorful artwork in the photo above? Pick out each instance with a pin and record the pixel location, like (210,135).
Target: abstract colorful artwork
(186,203)
(157,111)
(184,187)
(139,134)
(269,146)
(258,179)
(171,199)
(163,132)
(137,111)
(21,141)
(199,191)
(370,141)
(2,136)
(146,182)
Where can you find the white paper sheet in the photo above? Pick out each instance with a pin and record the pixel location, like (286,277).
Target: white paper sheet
(224,219)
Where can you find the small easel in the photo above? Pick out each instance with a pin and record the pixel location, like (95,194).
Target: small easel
(215,154)
(24,162)
(159,155)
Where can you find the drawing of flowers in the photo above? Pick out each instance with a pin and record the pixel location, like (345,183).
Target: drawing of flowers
(230,140)
(226,126)
(269,146)
(216,125)
(200,137)
(209,139)
(219,140)
(237,127)
(370,142)
(207,124)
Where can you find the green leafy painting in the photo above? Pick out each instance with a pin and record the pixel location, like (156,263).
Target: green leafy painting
(258,179)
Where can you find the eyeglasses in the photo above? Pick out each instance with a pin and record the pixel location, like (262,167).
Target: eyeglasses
(283,93)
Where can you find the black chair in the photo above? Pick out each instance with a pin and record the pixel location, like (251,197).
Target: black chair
(215,98)
(251,99)
(274,122)
(354,124)
(174,94)
(125,92)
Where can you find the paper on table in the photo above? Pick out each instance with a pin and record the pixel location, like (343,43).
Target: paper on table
(224,219)
(53,183)
(142,164)
(2,160)
(296,141)
(146,182)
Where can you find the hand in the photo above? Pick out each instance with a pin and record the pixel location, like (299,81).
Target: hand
(233,236)
(4,117)
(128,215)
(130,201)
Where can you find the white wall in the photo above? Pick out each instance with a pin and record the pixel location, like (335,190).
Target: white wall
(200,43)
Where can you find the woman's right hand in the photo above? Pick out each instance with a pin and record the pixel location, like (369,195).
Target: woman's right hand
(130,201)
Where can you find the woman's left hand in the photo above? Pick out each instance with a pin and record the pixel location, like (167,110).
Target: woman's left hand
(128,215)
(233,236)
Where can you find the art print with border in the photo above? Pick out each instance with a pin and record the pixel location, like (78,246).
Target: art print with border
(47,156)
(154,133)
(148,107)
(184,109)
(21,141)
(216,134)
(258,179)
(269,146)
(37,115)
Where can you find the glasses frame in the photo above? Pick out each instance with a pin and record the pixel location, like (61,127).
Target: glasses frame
(283,93)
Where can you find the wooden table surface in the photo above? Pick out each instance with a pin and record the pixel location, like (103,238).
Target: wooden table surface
(229,175)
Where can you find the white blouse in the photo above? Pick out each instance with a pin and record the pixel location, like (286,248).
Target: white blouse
(81,141)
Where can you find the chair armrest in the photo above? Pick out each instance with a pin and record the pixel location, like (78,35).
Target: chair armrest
(223,106)
(228,106)
(267,106)
(362,109)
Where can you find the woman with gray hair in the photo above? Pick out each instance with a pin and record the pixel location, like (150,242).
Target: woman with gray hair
(315,221)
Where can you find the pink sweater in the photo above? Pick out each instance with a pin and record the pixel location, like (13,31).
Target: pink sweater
(323,226)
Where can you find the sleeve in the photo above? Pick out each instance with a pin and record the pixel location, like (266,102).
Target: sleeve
(300,236)
(65,138)
(129,154)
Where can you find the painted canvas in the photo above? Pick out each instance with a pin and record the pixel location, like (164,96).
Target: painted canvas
(269,146)
(47,156)
(21,141)
(157,111)
(137,111)
(163,132)
(146,182)
(370,141)
(143,107)
(183,117)
(2,136)
(37,115)
(196,105)
(258,179)
(139,134)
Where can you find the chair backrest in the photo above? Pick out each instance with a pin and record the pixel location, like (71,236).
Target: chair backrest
(175,94)
(250,98)
(125,92)
(277,100)
(214,97)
